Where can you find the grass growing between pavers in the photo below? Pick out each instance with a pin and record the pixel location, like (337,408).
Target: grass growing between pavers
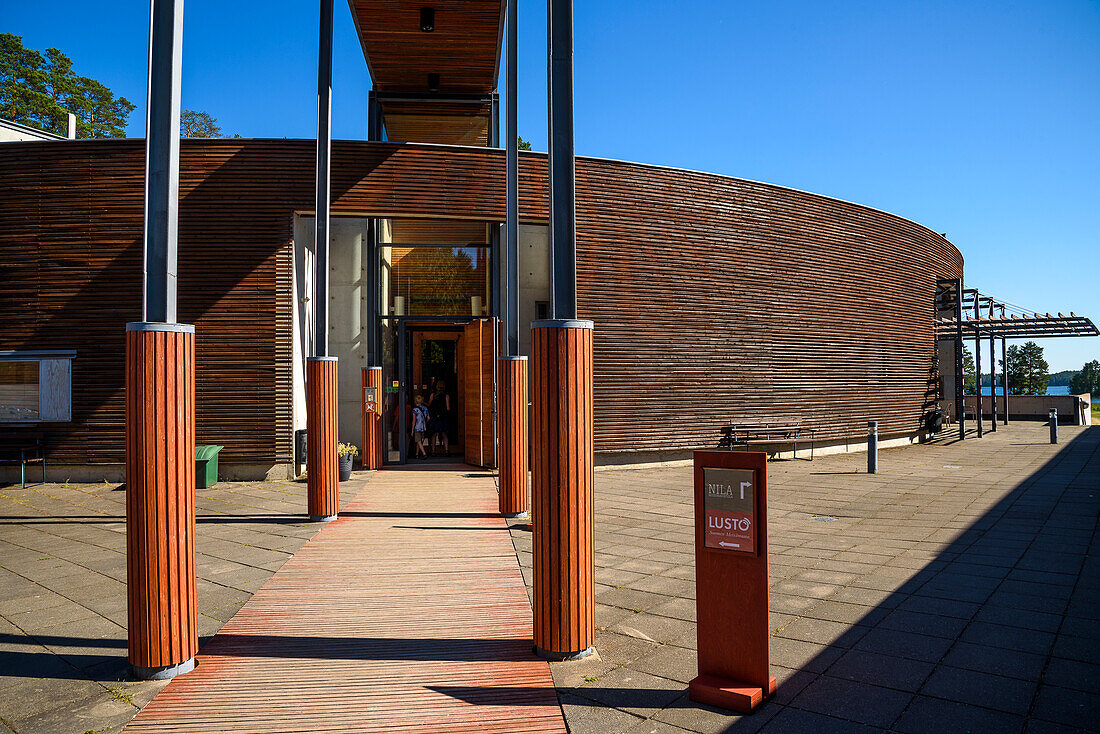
(958,580)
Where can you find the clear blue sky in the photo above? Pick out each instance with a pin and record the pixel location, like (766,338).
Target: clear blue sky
(977,119)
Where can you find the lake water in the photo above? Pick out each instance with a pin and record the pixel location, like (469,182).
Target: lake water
(1051,390)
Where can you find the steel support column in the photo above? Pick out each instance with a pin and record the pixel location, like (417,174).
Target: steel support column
(322,486)
(162,160)
(960,410)
(992,374)
(324,187)
(978,378)
(160,394)
(494,123)
(374,117)
(511,168)
(1004,374)
(563,235)
(561,351)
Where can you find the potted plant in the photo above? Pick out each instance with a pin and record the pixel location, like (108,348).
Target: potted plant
(346,452)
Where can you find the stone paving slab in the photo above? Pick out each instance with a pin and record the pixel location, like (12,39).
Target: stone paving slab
(957,590)
(63,591)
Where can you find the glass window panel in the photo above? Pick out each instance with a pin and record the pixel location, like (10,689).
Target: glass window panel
(436,281)
(19,391)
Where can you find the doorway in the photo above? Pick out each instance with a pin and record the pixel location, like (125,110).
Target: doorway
(434,374)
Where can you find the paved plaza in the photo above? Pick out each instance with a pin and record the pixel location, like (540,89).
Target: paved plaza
(63,591)
(955,591)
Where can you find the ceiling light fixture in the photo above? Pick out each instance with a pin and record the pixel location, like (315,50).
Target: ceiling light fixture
(433,82)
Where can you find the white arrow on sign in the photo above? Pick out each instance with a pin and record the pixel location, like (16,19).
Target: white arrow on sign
(724,544)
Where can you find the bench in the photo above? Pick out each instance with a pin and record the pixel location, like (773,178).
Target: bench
(23,447)
(754,434)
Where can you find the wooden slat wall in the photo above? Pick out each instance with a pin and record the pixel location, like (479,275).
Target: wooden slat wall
(735,299)
(162,616)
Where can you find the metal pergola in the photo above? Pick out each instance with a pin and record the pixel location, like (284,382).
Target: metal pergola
(967,312)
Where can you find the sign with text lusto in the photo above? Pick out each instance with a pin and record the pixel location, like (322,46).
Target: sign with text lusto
(728,502)
(731,580)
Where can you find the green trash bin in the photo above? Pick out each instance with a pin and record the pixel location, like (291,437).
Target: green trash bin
(206,466)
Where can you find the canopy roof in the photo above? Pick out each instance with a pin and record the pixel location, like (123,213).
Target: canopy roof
(463,48)
(984,315)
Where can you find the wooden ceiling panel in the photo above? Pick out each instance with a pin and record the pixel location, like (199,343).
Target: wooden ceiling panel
(464,48)
(443,129)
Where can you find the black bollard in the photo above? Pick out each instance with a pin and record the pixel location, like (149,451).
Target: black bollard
(872,447)
(1054,425)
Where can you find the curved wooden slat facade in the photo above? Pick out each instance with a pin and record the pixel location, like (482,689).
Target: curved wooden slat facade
(160,497)
(716,298)
(563,503)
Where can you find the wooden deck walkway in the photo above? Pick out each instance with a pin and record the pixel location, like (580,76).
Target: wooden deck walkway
(408,613)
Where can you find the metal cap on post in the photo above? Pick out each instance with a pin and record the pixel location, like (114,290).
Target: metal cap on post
(1053,425)
(872,447)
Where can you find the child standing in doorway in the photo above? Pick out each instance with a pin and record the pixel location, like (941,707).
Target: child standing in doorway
(419,426)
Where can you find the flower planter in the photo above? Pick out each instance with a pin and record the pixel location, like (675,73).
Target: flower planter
(345,467)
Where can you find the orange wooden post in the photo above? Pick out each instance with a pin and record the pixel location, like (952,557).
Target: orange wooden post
(372,418)
(323,485)
(562,508)
(162,619)
(512,435)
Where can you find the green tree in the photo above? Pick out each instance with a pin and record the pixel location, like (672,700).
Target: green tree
(1087,380)
(969,380)
(40,90)
(198,124)
(1028,372)
(523,144)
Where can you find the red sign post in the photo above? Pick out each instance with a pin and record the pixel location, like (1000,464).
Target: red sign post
(731,580)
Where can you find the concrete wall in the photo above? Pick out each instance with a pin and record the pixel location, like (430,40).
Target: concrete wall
(534,278)
(1072,409)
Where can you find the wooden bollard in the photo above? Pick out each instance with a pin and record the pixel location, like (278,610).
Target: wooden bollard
(372,417)
(512,435)
(323,482)
(562,502)
(162,619)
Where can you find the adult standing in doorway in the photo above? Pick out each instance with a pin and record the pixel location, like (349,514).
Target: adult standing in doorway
(440,410)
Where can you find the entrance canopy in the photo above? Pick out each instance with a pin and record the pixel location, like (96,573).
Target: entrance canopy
(434,67)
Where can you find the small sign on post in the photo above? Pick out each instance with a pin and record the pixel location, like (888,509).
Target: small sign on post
(731,580)
(370,400)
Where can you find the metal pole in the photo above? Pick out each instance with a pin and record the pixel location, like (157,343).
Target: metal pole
(1004,373)
(162,160)
(977,360)
(324,191)
(494,132)
(563,236)
(959,376)
(374,117)
(1053,425)
(872,447)
(511,166)
(978,377)
(992,374)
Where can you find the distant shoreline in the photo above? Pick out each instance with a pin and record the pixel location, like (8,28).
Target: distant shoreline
(1051,390)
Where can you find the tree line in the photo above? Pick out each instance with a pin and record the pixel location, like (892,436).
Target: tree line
(1029,374)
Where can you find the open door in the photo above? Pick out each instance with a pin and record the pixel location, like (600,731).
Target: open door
(479,357)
